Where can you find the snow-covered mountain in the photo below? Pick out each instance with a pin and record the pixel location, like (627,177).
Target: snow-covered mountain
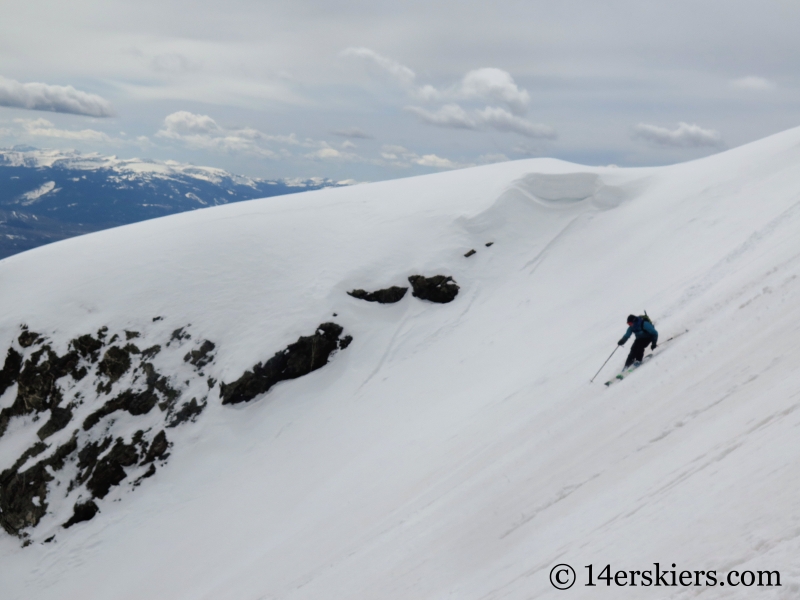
(49,195)
(244,402)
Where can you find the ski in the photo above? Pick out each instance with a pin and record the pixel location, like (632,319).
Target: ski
(628,370)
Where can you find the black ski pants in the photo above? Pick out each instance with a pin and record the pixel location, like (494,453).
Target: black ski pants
(637,350)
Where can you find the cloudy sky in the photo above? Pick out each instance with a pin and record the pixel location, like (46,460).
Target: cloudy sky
(377,90)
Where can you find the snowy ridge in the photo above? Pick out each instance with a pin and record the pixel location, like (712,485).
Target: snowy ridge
(452,449)
(131,168)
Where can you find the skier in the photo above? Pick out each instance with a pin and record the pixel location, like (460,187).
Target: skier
(645,334)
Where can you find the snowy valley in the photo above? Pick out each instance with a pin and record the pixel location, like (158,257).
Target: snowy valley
(382,391)
(49,195)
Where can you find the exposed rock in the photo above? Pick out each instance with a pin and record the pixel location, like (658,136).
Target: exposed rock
(151,351)
(386,296)
(307,354)
(83,511)
(136,403)
(87,346)
(149,473)
(202,356)
(36,381)
(59,419)
(87,459)
(158,447)
(179,335)
(8,377)
(489,244)
(101,464)
(470,253)
(27,338)
(115,363)
(109,470)
(11,370)
(189,411)
(34,450)
(23,496)
(37,390)
(439,288)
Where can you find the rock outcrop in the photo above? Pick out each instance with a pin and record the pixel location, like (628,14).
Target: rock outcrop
(307,354)
(385,296)
(439,288)
(84,404)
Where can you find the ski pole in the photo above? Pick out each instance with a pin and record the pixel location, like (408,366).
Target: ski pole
(677,335)
(673,337)
(604,364)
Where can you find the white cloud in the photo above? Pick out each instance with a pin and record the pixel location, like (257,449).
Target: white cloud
(758,84)
(685,136)
(428,93)
(450,115)
(497,85)
(437,162)
(352,132)
(502,120)
(494,117)
(44,128)
(326,153)
(185,123)
(394,68)
(347,145)
(201,132)
(398,156)
(485,85)
(53,98)
(394,149)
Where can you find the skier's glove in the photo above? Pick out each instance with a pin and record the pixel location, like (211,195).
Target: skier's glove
(621,343)
(653,346)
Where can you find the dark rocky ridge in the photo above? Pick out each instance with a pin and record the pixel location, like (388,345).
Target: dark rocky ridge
(307,354)
(78,397)
(47,384)
(386,296)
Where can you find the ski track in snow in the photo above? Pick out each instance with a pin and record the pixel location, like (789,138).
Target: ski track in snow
(453,450)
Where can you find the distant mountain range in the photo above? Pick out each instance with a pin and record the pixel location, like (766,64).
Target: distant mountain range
(50,195)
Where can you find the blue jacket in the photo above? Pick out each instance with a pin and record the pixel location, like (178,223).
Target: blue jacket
(640,328)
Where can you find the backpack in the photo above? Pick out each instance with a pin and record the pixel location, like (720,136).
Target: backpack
(645,317)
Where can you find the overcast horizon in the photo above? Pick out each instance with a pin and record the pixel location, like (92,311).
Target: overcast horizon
(379,91)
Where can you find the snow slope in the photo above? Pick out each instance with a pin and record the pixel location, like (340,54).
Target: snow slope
(455,450)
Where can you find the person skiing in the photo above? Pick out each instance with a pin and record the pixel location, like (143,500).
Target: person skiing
(645,333)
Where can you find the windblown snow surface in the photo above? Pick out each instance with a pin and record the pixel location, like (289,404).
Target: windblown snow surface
(452,450)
